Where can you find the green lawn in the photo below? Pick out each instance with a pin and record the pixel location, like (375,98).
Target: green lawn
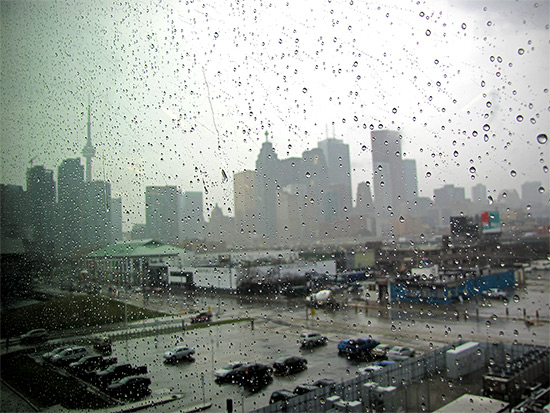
(70,312)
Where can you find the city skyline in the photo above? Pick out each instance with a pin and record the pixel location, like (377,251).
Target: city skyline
(186,101)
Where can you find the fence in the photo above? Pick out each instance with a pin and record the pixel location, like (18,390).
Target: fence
(399,375)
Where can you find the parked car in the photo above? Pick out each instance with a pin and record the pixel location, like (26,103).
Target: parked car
(201,317)
(357,347)
(69,355)
(495,293)
(308,340)
(281,395)
(381,351)
(304,388)
(227,372)
(131,387)
(253,376)
(289,365)
(102,345)
(379,365)
(36,336)
(325,383)
(103,378)
(89,363)
(178,353)
(48,355)
(399,353)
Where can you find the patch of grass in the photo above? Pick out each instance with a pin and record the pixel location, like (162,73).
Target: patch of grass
(70,312)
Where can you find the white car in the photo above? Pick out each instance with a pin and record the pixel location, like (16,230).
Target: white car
(178,353)
(495,293)
(399,353)
(69,355)
(226,372)
(381,350)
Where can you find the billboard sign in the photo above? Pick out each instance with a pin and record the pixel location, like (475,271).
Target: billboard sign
(490,222)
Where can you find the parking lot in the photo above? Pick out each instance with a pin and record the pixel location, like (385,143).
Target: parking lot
(216,346)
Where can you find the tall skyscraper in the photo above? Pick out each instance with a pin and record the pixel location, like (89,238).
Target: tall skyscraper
(266,179)
(389,171)
(193,215)
(13,211)
(531,194)
(164,213)
(116,219)
(41,204)
(96,215)
(244,200)
(479,194)
(336,154)
(410,180)
(70,187)
(89,150)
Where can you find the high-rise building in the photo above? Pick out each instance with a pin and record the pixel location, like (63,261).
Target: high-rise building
(479,194)
(13,211)
(245,202)
(389,170)
(336,154)
(96,215)
(70,187)
(192,221)
(88,152)
(41,201)
(164,212)
(531,193)
(410,180)
(116,219)
(267,183)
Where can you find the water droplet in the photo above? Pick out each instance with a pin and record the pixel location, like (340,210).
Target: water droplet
(486,127)
(394,110)
(428,174)
(308,175)
(428,32)
(513,173)
(519,118)
(489,23)
(472,170)
(364,147)
(488,104)
(463,26)
(516,298)
(521,51)
(488,323)
(541,189)
(542,138)
(455,154)
(490,199)
(216,34)
(304,90)
(401,219)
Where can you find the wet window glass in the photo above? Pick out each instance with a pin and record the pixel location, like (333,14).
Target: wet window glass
(258,205)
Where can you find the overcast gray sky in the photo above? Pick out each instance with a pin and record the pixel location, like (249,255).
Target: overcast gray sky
(183,89)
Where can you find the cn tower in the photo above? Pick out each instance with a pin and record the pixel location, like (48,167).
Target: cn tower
(89,150)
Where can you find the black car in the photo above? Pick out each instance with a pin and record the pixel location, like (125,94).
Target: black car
(115,372)
(325,383)
(252,376)
(281,395)
(131,387)
(304,388)
(36,336)
(89,363)
(289,365)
